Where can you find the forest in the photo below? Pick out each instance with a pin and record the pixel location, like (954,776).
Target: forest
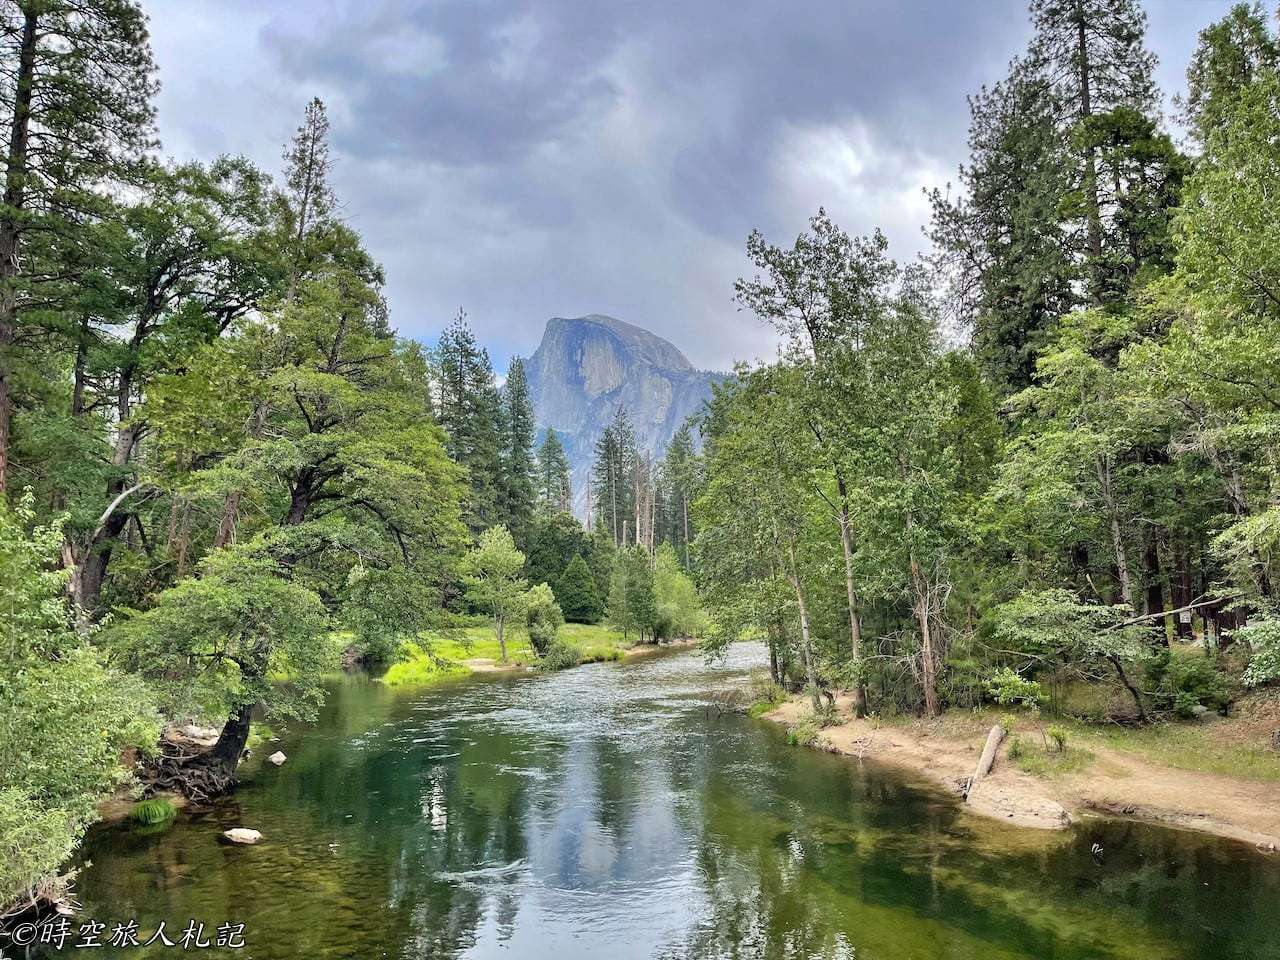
(1037,468)
(1063,505)
(223,473)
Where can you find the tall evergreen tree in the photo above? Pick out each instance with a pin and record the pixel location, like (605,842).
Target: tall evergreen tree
(577,594)
(1231,53)
(75,104)
(518,469)
(613,479)
(1010,271)
(471,412)
(555,491)
(680,470)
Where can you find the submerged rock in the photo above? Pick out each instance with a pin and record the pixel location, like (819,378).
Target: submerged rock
(242,835)
(277,758)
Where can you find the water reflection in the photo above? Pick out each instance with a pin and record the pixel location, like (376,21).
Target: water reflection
(605,812)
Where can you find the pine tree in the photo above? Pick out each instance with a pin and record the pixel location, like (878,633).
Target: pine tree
(310,199)
(555,491)
(614,480)
(1091,57)
(1069,188)
(75,104)
(471,412)
(680,473)
(1231,53)
(1011,273)
(577,594)
(517,478)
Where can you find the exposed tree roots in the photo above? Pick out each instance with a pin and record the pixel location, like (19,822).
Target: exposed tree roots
(196,776)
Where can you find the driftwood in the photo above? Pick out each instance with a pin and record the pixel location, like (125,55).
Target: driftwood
(987,759)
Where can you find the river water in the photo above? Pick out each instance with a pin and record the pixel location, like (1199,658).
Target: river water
(605,812)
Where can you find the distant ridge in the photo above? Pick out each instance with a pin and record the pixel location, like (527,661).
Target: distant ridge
(585,368)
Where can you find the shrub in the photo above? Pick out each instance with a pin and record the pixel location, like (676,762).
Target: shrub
(804,733)
(762,689)
(1009,689)
(1016,748)
(1183,683)
(65,714)
(1263,637)
(559,656)
(543,618)
(155,810)
(1058,734)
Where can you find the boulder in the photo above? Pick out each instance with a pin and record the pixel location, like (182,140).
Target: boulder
(277,758)
(242,835)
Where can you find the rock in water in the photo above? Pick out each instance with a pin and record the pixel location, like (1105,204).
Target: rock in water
(277,758)
(587,367)
(242,835)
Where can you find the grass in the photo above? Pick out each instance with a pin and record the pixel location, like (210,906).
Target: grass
(594,643)
(153,811)
(1206,746)
(1050,763)
(1237,746)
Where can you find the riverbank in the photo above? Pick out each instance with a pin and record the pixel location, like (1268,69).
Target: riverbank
(1111,772)
(474,650)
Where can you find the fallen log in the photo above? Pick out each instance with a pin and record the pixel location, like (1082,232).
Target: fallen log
(987,759)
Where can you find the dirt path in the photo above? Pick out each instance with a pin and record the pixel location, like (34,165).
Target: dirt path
(1117,783)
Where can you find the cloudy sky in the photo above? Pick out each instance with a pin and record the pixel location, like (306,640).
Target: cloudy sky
(524,159)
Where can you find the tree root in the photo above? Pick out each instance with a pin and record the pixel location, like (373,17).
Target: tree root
(195,776)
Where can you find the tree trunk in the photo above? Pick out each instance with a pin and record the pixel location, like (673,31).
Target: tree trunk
(1155,588)
(226,753)
(1103,467)
(684,499)
(1181,585)
(1133,691)
(10,233)
(502,640)
(806,643)
(96,556)
(855,617)
(928,663)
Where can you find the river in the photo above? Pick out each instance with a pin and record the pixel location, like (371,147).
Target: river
(606,812)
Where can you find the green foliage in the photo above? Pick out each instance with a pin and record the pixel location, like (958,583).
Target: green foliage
(1184,681)
(805,732)
(153,811)
(1017,749)
(1058,734)
(517,483)
(65,716)
(1263,637)
(678,612)
(1008,689)
(494,585)
(576,593)
(543,618)
(557,536)
(631,604)
(761,689)
(559,655)
(555,493)
(218,640)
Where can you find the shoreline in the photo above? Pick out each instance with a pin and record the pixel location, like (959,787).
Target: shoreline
(1117,783)
(477,665)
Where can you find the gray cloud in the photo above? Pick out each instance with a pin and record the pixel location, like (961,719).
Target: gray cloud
(528,159)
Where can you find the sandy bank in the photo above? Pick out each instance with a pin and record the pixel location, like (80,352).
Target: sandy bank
(1117,783)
